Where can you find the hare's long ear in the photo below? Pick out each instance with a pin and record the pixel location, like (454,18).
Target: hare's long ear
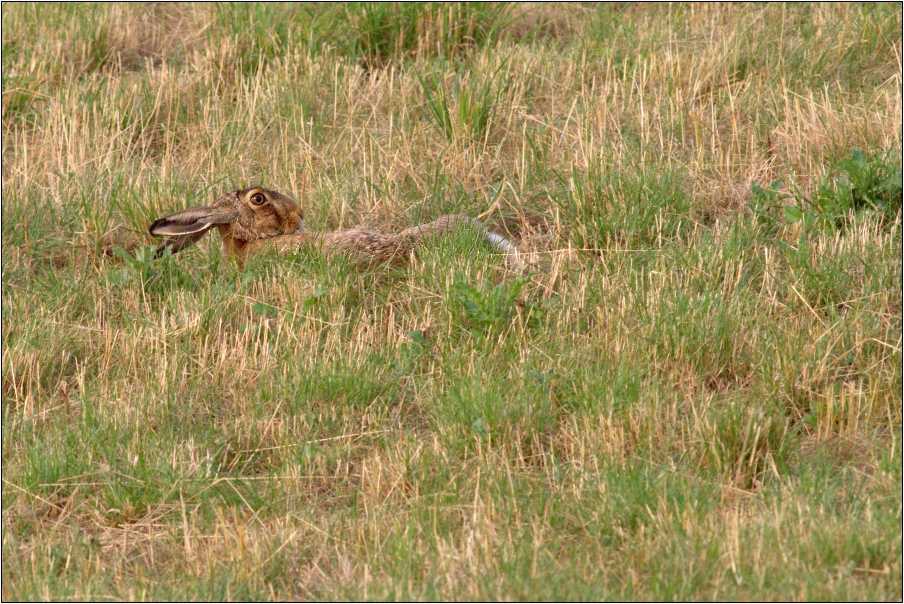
(191,221)
(184,228)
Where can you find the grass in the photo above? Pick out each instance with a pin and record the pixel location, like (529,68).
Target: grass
(694,393)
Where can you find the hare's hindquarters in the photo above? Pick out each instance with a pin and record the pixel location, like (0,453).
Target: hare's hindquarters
(420,233)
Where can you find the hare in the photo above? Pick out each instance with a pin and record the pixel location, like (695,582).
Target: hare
(254,219)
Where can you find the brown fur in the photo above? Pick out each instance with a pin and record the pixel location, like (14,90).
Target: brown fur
(276,221)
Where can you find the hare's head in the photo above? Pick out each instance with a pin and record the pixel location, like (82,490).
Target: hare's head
(241,217)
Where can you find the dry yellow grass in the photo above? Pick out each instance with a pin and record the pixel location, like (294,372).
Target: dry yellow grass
(693,396)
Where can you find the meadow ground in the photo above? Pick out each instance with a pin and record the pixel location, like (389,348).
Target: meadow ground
(694,393)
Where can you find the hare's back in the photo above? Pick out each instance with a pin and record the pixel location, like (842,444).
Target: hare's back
(366,245)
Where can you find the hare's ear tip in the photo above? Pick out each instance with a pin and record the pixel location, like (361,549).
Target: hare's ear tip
(152,229)
(164,226)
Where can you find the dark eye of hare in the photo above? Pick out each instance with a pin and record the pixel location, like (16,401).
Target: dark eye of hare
(258,199)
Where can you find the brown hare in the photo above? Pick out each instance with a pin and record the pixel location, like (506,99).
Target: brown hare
(251,220)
